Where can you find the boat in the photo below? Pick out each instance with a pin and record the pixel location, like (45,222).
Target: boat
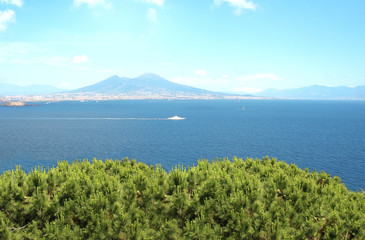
(176,118)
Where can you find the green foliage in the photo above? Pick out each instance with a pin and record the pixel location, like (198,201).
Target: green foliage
(251,199)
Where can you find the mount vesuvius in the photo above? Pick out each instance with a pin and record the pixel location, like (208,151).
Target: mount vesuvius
(145,85)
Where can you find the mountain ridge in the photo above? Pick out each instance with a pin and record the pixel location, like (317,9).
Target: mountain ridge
(147,83)
(152,85)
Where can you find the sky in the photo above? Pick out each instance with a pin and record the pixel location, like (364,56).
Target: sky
(240,46)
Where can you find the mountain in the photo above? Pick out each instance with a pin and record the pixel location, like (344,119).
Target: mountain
(12,89)
(317,92)
(143,85)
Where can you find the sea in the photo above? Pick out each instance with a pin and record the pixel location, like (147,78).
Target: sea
(318,135)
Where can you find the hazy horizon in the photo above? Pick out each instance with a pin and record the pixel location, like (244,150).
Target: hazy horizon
(233,92)
(237,46)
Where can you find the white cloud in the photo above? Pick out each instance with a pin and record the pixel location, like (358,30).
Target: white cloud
(64,85)
(201,72)
(92,3)
(246,90)
(266,76)
(158,2)
(6,17)
(151,15)
(225,76)
(80,59)
(238,4)
(18,3)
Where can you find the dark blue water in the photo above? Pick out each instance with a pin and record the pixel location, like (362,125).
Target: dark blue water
(321,135)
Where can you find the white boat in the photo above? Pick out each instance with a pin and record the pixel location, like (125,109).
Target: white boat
(176,118)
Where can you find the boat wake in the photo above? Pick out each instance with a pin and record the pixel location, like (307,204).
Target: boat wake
(109,118)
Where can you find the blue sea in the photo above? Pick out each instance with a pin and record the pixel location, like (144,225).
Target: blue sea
(321,135)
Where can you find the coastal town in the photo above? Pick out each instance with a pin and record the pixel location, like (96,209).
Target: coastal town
(104,97)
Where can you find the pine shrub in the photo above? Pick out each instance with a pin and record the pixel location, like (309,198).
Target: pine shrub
(222,199)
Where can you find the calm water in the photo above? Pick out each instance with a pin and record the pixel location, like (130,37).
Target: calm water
(322,135)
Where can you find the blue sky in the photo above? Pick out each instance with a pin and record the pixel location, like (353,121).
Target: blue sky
(221,45)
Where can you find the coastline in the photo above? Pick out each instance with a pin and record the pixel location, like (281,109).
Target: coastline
(14,104)
(21,100)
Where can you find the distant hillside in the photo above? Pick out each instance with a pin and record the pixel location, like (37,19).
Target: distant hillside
(316,92)
(12,89)
(142,85)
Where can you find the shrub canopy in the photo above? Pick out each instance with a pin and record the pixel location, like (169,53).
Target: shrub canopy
(224,199)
